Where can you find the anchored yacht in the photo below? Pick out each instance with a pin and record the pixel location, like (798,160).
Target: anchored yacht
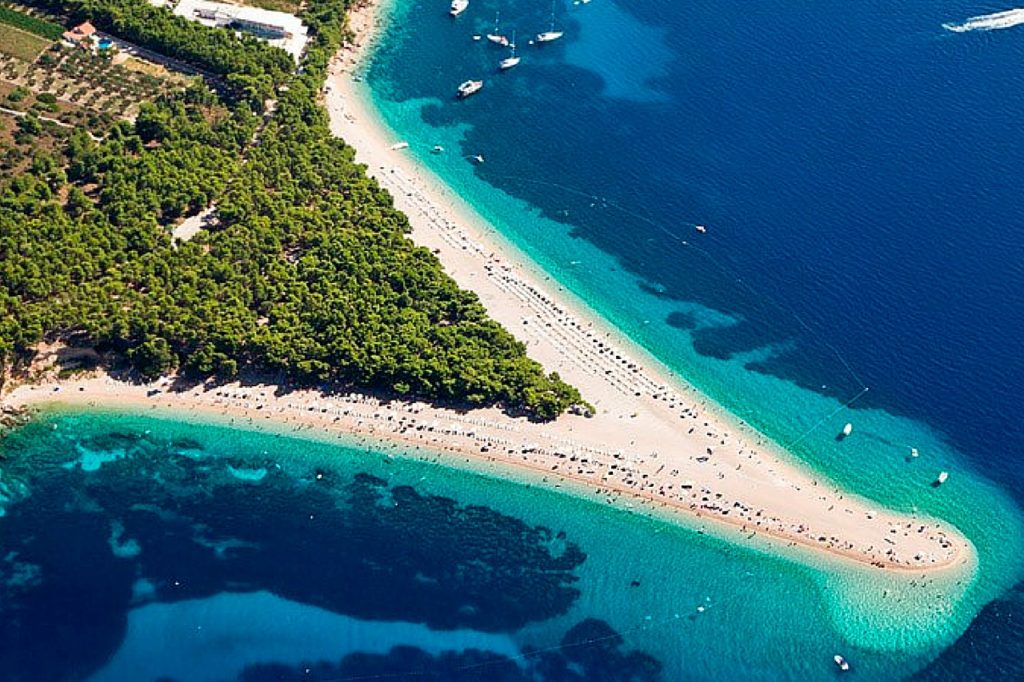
(469,88)
(512,59)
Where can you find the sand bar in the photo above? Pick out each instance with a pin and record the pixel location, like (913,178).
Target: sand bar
(655,442)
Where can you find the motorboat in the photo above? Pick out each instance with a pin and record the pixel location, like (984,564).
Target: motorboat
(468,88)
(458,7)
(841,662)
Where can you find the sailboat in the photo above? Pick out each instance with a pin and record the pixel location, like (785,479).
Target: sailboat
(511,60)
(551,33)
(496,37)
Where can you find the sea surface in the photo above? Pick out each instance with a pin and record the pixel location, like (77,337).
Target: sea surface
(153,546)
(858,169)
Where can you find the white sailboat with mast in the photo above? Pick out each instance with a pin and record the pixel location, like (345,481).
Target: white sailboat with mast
(496,37)
(511,60)
(551,34)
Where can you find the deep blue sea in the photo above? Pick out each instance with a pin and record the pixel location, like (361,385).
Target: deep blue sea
(858,167)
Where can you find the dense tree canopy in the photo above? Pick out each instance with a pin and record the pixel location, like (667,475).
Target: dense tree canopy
(307,271)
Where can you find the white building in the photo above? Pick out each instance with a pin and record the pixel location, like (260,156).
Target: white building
(277,28)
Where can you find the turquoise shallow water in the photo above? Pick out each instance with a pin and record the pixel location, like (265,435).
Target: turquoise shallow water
(199,551)
(834,259)
(139,546)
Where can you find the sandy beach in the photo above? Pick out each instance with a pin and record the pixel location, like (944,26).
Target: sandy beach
(654,442)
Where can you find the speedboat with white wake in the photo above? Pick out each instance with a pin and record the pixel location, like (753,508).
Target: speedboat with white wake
(989,22)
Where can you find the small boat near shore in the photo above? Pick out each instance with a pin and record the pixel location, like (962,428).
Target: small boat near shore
(943,475)
(841,663)
(468,88)
(458,7)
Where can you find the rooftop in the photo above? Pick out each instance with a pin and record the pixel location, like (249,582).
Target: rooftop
(293,33)
(80,32)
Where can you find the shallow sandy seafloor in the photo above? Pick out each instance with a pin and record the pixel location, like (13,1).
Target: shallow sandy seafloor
(861,605)
(871,612)
(693,602)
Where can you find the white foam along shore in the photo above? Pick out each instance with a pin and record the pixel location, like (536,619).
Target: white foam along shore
(655,443)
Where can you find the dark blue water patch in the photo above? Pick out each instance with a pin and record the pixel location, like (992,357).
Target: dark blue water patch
(190,528)
(590,651)
(76,605)
(858,167)
(990,649)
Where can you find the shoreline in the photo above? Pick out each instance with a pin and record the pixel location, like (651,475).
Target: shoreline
(621,379)
(466,441)
(654,439)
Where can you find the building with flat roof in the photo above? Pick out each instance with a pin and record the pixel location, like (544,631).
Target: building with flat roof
(278,28)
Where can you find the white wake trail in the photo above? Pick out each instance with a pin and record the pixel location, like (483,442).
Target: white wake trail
(989,22)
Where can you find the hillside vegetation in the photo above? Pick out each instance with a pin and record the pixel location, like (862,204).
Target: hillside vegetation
(307,272)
